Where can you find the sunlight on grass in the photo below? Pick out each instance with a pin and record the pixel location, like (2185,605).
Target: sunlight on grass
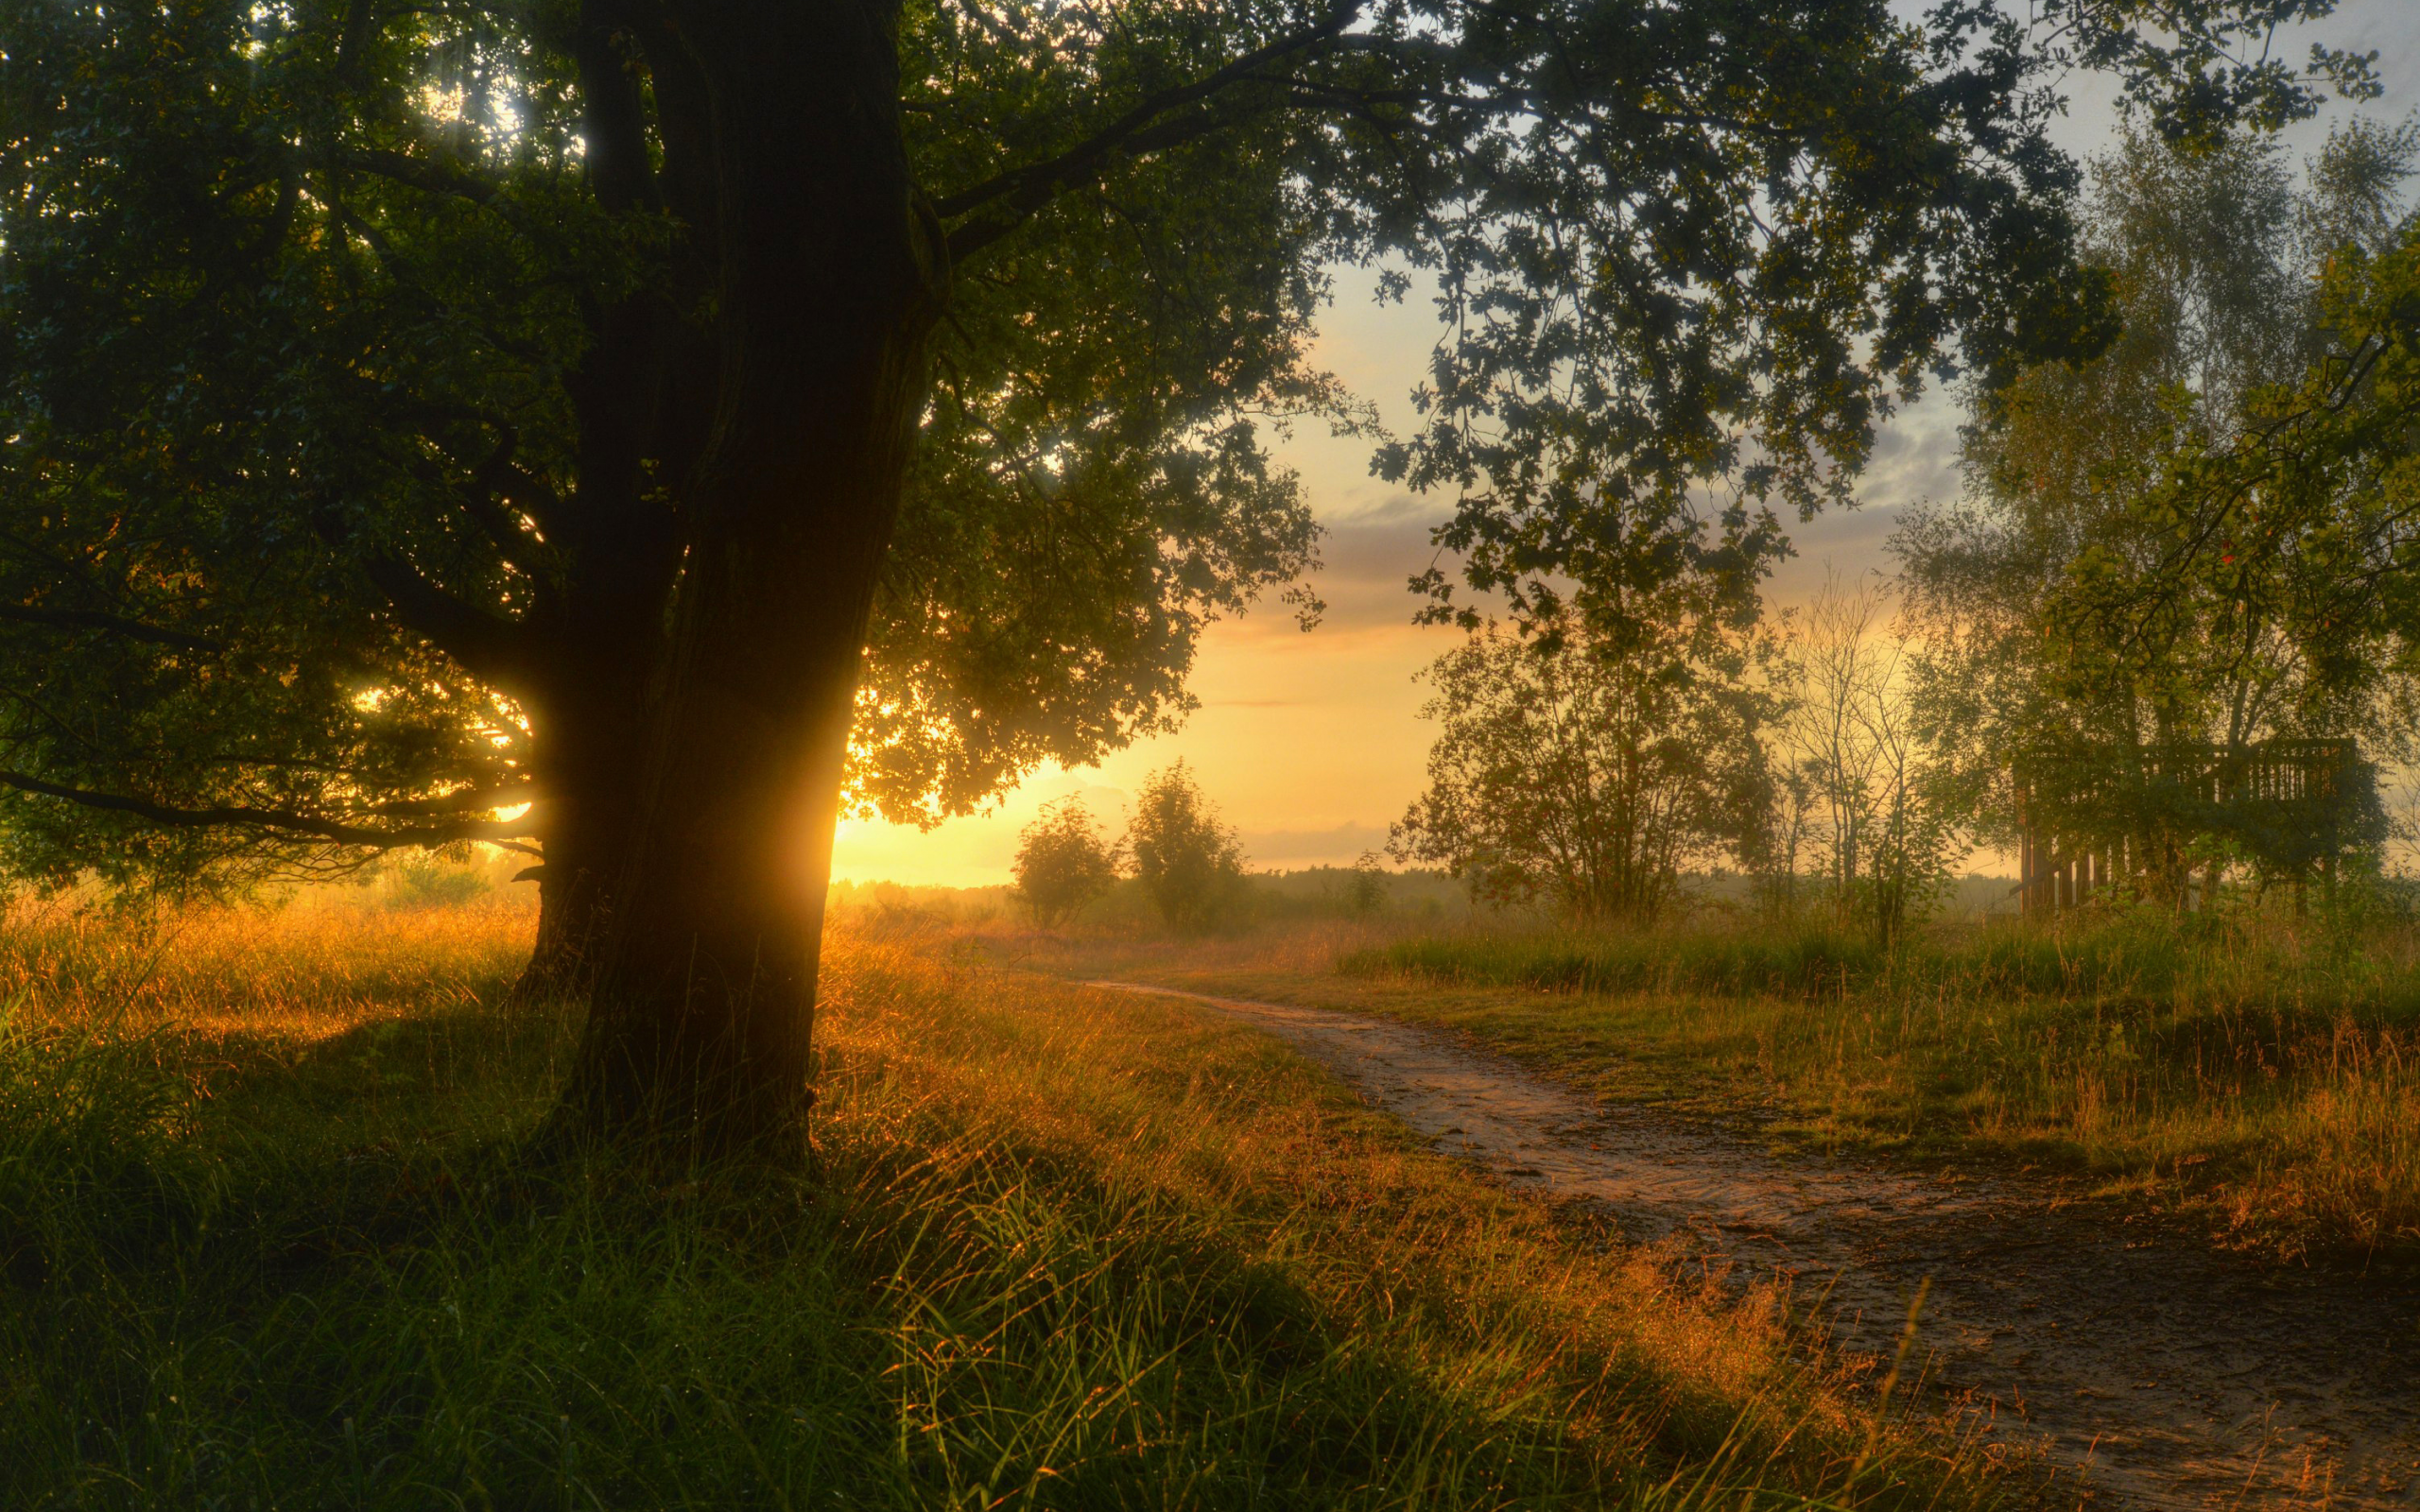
(306,971)
(268,1241)
(2261,1075)
(2267,1074)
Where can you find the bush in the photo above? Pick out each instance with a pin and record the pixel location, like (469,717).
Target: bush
(1367,892)
(1063,863)
(427,882)
(1187,861)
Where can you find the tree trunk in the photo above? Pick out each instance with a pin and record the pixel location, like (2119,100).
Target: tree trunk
(785,155)
(585,836)
(590,711)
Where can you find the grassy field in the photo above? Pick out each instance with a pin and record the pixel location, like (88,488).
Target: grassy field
(265,1241)
(2259,1077)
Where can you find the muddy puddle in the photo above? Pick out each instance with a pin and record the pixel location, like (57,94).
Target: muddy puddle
(2167,1375)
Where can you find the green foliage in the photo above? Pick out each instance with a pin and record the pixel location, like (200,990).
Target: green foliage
(2309,512)
(358,366)
(2198,536)
(1186,860)
(1063,863)
(1584,770)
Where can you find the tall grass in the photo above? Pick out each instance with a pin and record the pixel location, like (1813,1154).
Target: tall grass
(1802,961)
(2255,957)
(269,1243)
(2262,1070)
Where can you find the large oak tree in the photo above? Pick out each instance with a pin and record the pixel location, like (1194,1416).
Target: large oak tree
(559,422)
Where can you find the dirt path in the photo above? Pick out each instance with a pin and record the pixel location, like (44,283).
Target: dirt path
(2174,1376)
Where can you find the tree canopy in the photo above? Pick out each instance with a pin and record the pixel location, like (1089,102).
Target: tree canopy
(631,429)
(2180,541)
(324,440)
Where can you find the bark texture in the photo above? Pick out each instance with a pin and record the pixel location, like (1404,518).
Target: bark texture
(698,805)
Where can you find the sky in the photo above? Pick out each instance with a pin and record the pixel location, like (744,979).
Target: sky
(1312,742)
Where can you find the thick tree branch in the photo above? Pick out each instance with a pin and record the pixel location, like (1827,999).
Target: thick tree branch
(442,176)
(115,625)
(1020,192)
(504,532)
(488,647)
(495,486)
(279,820)
(976,234)
(531,494)
(432,176)
(470,800)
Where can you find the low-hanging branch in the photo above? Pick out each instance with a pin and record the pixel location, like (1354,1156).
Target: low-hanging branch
(506,834)
(469,800)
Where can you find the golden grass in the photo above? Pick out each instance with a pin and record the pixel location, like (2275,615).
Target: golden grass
(314,968)
(2264,1078)
(1058,1248)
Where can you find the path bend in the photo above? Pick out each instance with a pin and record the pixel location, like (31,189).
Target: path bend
(2170,1375)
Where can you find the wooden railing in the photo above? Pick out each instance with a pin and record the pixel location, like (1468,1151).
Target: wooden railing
(2102,816)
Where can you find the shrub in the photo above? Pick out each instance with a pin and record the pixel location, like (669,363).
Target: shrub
(1367,892)
(1187,861)
(427,882)
(1063,863)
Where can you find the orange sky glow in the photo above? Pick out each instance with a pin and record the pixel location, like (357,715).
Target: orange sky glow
(1311,744)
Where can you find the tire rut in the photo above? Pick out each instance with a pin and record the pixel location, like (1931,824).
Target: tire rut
(2165,1373)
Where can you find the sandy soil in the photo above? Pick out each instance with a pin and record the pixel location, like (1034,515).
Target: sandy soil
(2167,1374)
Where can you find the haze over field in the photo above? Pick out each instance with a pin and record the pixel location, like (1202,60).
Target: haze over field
(1924,1017)
(1313,742)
